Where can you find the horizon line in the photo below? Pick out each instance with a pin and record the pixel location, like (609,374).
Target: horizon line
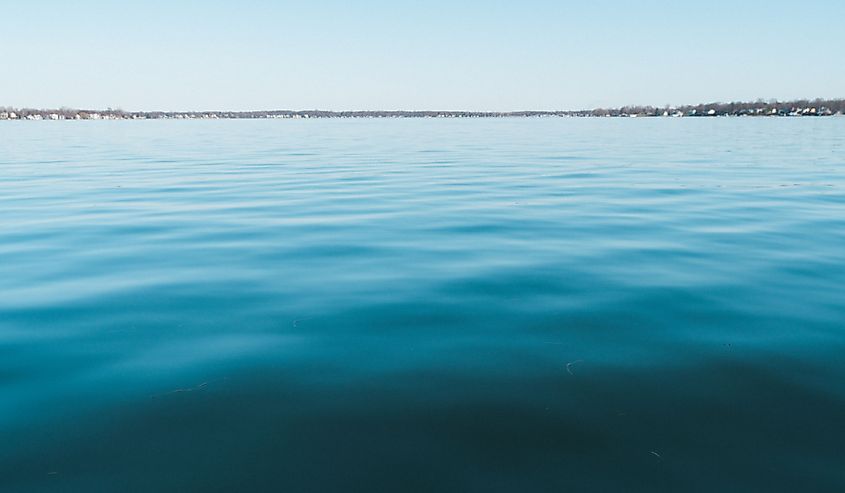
(793,107)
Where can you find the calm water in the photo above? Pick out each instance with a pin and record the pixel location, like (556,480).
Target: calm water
(423,305)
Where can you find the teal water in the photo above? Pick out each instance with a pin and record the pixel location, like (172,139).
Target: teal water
(423,305)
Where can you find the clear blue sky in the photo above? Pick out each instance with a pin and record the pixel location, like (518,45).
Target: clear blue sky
(440,54)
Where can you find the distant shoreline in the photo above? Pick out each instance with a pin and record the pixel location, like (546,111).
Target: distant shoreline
(796,108)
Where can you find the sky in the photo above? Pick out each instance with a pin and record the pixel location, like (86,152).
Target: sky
(473,55)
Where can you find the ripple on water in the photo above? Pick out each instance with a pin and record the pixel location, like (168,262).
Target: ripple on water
(490,305)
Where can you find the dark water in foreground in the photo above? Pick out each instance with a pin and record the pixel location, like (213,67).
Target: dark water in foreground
(423,305)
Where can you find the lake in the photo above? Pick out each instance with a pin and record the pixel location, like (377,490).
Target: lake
(540,304)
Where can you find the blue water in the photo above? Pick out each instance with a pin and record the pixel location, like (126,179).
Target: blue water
(423,305)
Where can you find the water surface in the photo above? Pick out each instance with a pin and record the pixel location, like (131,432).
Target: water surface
(423,305)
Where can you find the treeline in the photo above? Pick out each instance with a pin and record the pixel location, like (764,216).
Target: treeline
(804,107)
(801,107)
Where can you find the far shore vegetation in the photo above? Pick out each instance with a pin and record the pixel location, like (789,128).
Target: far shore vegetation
(759,108)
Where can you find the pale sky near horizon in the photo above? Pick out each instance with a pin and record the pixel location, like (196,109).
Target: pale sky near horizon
(391,55)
